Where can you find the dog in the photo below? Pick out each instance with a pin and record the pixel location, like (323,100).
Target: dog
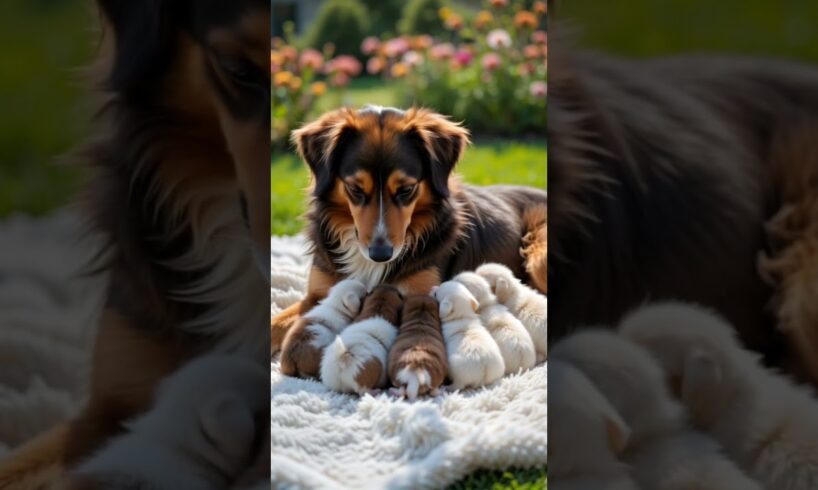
(586,443)
(179,164)
(764,421)
(356,360)
(208,409)
(473,356)
(662,451)
(417,359)
(305,344)
(665,174)
(511,336)
(385,207)
(530,307)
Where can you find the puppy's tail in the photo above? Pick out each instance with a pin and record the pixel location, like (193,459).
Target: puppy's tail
(535,246)
(413,379)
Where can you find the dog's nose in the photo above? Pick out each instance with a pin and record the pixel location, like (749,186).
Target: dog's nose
(380,250)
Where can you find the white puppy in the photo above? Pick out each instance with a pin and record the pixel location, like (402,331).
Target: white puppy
(664,453)
(586,435)
(198,435)
(529,306)
(356,360)
(511,336)
(765,423)
(474,358)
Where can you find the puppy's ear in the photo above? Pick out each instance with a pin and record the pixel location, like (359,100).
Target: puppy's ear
(352,302)
(472,301)
(446,307)
(618,431)
(502,287)
(701,382)
(143,34)
(432,292)
(442,143)
(320,143)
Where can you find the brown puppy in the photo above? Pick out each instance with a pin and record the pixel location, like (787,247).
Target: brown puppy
(417,361)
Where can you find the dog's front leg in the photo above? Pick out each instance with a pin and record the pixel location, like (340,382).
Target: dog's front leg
(318,286)
(420,282)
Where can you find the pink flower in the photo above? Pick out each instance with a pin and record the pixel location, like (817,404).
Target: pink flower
(412,58)
(375,65)
(340,79)
(441,51)
(463,57)
(396,47)
(370,45)
(531,51)
(539,37)
(345,64)
(311,58)
(538,89)
(491,61)
(498,38)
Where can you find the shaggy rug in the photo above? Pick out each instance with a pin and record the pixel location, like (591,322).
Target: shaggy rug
(323,439)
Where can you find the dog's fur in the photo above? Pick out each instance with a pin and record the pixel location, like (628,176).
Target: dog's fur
(473,356)
(356,360)
(662,451)
(512,338)
(180,162)
(384,176)
(304,345)
(204,418)
(663,174)
(417,359)
(529,306)
(764,422)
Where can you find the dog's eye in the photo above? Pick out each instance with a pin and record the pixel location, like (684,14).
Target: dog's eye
(405,192)
(243,72)
(356,193)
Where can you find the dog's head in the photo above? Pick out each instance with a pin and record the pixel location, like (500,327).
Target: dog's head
(204,63)
(382,170)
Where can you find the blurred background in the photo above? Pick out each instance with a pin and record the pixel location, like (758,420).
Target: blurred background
(481,62)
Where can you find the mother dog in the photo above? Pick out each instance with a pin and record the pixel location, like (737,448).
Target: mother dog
(385,207)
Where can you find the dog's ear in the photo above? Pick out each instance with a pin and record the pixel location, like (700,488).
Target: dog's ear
(319,144)
(701,382)
(442,143)
(446,307)
(472,301)
(143,33)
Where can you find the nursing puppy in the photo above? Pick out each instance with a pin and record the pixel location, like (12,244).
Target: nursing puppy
(356,360)
(510,334)
(529,306)
(764,422)
(417,360)
(304,345)
(590,435)
(204,418)
(662,451)
(474,358)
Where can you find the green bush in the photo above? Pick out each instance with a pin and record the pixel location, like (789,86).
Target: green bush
(421,17)
(384,16)
(343,23)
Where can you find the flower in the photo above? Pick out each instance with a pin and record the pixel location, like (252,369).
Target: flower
(311,58)
(491,61)
(289,53)
(295,84)
(454,22)
(370,45)
(538,89)
(540,8)
(531,51)
(539,37)
(282,78)
(463,57)
(526,20)
(375,65)
(346,64)
(525,69)
(483,19)
(441,51)
(499,3)
(399,70)
(277,60)
(277,42)
(498,38)
(340,79)
(396,47)
(421,42)
(445,13)
(412,58)
(318,89)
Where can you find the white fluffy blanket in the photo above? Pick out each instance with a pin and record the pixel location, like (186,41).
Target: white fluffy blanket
(322,439)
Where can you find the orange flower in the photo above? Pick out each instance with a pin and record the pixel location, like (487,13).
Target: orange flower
(454,22)
(282,79)
(531,51)
(318,89)
(400,70)
(290,53)
(295,84)
(483,19)
(421,42)
(499,3)
(540,8)
(277,58)
(526,19)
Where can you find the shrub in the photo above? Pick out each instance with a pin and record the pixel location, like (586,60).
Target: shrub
(420,17)
(384,16)
(342,23)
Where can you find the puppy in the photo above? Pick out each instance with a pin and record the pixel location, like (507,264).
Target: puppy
(511,336)
(529,306)
(417,360)
(304,345)
(356,360)
(765,423)
(662,451)
(474,358)
(590,435)
(199,435)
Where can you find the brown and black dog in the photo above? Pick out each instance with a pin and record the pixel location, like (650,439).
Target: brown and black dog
(385,207)
(180,161)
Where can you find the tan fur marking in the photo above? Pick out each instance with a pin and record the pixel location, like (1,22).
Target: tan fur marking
(370,374)
(420,283)
(535,246)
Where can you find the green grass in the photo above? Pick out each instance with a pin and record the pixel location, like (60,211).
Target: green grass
(513,479)
(360,92)
(486,162)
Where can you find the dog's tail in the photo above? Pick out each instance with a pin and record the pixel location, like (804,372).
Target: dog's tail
(535,245)
(414,379)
